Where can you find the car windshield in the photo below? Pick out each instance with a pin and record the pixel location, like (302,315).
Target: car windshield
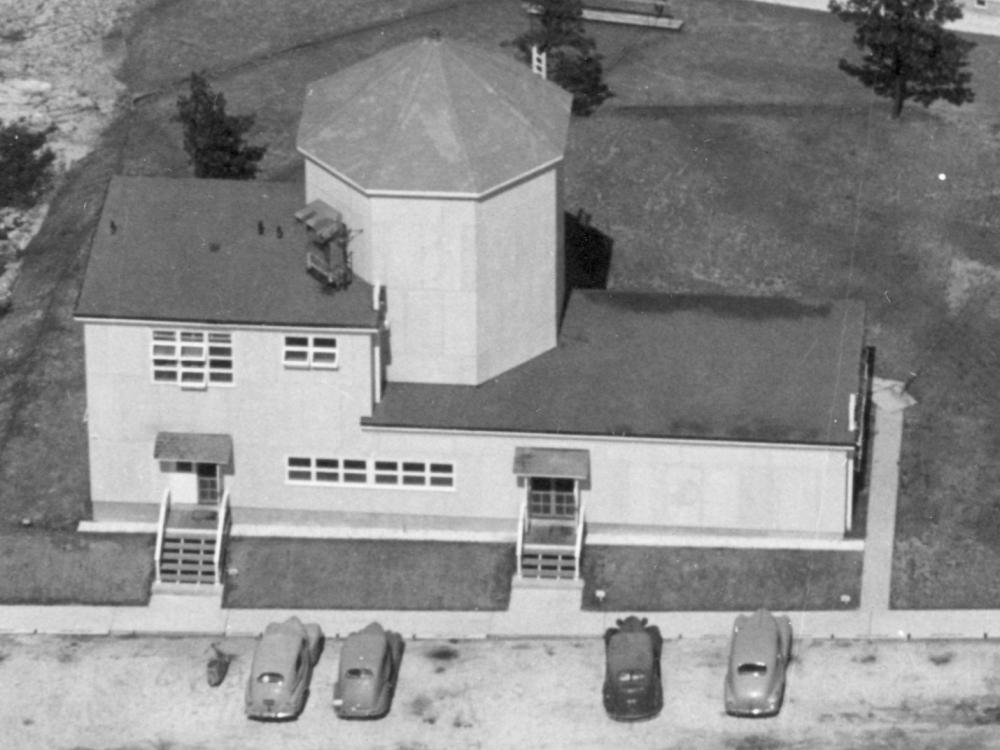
(752,668)
(270,678)
(631,676)
(358,673)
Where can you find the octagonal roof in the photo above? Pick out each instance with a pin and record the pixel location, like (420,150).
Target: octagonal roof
(434,116)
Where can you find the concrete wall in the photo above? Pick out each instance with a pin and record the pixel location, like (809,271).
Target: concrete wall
(643,483)
(270,411)
(426,249)
(518,244)
(472,287)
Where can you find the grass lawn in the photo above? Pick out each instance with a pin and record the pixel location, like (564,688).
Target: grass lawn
(702,579)
(42,567)
(734,158)
(348,574)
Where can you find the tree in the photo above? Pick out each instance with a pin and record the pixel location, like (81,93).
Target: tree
(25,164)
(572,58)
(213,140)
(909,55)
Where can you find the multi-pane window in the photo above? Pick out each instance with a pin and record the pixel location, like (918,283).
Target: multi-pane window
(192,359)
(551,497)
(310,352)
(414,474)
(359,471)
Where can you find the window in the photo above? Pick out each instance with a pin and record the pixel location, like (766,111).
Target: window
(550,497)
(310,352)
(360,471)
(192,359)
(414,474)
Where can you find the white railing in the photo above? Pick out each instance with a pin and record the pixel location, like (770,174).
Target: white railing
(522,529)
(161,530)
(578,546)
(220,534)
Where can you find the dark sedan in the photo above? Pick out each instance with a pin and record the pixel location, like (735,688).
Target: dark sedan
(633,688)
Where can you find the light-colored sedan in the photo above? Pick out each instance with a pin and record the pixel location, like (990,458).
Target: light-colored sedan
(282,668)
(367,674)
(758,659)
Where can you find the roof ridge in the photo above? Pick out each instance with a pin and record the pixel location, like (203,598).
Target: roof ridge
(503,97)
(469,169)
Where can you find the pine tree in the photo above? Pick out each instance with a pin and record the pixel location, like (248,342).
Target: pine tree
(573,62)
(908,54)
(213,140)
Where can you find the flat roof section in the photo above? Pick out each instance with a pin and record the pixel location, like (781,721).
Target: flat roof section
(192,250)
(654,365)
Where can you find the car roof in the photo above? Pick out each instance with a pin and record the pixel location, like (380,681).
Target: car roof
(755,637)
(630,650)
(278,647)
(365,647)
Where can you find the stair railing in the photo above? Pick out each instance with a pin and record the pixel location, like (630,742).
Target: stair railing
(522,530)
(578,545)
(220,535)
(161,530)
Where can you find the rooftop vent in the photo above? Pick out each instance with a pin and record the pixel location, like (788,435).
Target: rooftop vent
(330,262)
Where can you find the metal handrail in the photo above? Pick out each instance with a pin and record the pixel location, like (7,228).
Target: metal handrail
(578,546)
(521,531)
(220,534)
(161,530)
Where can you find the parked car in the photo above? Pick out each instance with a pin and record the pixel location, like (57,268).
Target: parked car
(367,673)
(758,659)
(633,687)
(281,669)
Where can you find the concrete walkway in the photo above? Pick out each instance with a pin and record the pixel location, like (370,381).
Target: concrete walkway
(540,610)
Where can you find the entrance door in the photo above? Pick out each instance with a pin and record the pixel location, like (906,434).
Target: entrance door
(551,498)
(209,484)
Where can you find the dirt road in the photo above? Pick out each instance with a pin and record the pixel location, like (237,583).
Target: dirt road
(141,693)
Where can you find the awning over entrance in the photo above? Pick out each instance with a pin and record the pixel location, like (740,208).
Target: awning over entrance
(197,447)
(552,462)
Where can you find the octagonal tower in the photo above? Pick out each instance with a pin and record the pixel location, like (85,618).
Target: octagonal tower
(445,161)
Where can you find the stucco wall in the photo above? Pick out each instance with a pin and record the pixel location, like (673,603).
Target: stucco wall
(645,483)
(426,250)
(272,413)
(516,242)
(269,410)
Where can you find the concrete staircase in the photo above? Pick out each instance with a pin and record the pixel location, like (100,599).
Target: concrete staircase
(555,561)
(188,557)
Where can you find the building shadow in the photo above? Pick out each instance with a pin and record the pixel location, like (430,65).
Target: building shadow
(587,254)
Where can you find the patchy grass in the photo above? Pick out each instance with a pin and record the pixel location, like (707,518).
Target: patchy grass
(347,574)
(690,578)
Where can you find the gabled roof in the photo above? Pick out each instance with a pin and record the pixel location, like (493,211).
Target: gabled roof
(656,365)
(191,250)
(434,116)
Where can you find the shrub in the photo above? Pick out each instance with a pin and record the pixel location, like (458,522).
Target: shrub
(25,164)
